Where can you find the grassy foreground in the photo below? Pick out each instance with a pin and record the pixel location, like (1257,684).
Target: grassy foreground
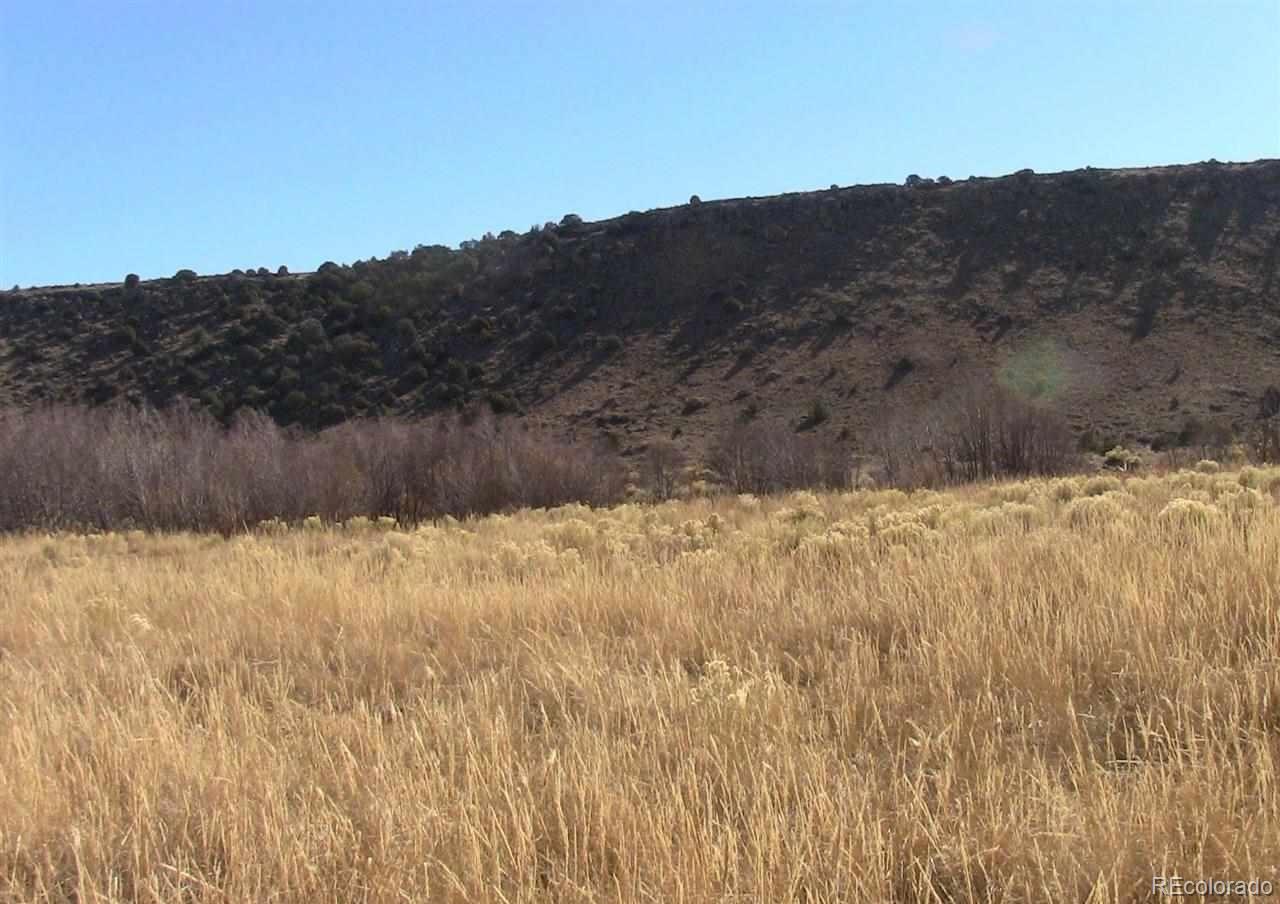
(1043,691)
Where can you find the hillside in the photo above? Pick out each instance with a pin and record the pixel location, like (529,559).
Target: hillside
(1143,303)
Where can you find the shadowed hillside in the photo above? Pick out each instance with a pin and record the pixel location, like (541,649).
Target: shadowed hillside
(1143,303)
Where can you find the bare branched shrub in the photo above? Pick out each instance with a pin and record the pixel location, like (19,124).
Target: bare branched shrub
(1209,439)
(662,464)
(907,448)
(755,458)
(1264,439)
(120,467)
(978,432)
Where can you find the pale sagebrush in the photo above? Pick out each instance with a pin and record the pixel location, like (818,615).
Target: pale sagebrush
(956,696)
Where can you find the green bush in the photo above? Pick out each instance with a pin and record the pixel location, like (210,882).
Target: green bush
(354,349)
(311,332)
(213,402)
(481,326)
(102,392)
(542,342)
(412,378)
(268,325)
(288,379)
(818,413)
(456,371)
(1118,458)
(502,402)
(295,403)
(406,331)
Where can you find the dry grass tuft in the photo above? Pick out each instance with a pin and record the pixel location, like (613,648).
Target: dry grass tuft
(1042,691)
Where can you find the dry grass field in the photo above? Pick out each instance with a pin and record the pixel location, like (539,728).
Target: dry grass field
(1040,691)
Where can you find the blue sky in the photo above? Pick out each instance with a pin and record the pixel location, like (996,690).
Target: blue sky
(149,137)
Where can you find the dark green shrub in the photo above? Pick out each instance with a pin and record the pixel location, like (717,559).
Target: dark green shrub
(295,403)
(341,313)
(412,378)
(542,342)
(193,378)
(818,413)
(481,326)
(288,379)
(502,402)
(311,332)
(102,392)
(213,402)
(406,331)
(354,349)
(1269,403)
(330,414)
(268,325)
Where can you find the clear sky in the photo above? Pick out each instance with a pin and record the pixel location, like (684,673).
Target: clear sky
(149,137)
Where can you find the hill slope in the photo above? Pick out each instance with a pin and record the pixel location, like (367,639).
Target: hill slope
(1142,302)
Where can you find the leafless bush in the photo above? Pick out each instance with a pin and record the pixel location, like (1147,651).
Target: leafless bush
(976,433)
(754,458)
(1264,440)
(1209,438)
(661,467)
(119,467)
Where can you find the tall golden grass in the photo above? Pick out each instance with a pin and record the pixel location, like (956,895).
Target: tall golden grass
(1040,691)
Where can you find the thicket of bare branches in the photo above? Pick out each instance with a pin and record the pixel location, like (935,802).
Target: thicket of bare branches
(661,467)
(755,458)
(978,432)
(118,467)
